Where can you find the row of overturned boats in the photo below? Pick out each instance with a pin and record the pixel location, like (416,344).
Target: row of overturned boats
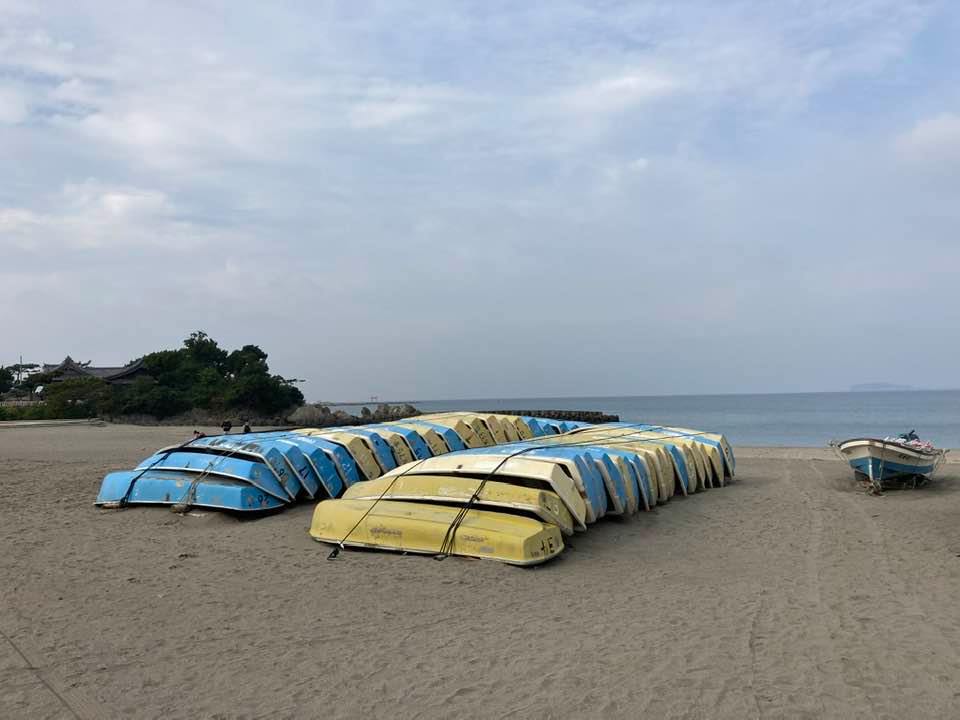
(481,485)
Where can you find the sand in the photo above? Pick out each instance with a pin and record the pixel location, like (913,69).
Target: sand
(789,594)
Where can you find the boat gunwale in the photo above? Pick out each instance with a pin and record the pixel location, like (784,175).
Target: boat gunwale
(525,509)
(403,551)
(885,444)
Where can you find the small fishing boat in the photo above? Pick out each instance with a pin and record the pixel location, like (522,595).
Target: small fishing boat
(434,529)
(904,461)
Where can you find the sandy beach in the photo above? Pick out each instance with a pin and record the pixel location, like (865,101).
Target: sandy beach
(789,594)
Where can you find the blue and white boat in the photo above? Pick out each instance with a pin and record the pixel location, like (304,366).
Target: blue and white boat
(880,464)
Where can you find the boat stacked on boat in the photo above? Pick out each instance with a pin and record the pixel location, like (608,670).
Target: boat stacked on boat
(256,472)
(516,500)
(481,485)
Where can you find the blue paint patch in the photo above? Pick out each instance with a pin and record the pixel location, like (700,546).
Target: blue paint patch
(163,487)
(885,470)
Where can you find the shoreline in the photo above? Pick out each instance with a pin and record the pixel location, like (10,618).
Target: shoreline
(799,452)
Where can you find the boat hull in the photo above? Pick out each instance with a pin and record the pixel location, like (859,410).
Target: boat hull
(253,472)
(164,487)
(545,505)
(532,472)
(885,462)
(421,528)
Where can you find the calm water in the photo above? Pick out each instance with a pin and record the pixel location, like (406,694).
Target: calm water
(808,419)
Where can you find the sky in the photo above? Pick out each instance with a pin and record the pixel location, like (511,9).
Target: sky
(425,199)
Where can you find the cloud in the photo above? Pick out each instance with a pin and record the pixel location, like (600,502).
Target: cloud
(388,199)
(381,114)
(13,106)
(620,92)
(934,140)
(91,215)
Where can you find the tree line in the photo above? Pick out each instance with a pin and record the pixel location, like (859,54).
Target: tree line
(200,375)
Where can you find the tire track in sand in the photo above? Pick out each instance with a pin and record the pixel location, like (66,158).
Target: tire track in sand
(890,649)
(797,665)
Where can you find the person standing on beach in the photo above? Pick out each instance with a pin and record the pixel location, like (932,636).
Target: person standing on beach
(246,427)
(226,426)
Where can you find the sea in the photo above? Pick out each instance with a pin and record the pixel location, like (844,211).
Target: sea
(794,419)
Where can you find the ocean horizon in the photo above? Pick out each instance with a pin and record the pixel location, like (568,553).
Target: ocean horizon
(760,419)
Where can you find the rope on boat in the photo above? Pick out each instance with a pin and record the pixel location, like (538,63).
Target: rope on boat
(340,545)
(446,547)
(184,504)
(183,507)
(165,454)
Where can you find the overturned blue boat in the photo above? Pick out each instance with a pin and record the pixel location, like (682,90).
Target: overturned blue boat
(265,471)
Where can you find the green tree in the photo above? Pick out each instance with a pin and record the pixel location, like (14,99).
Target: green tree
(76,398)
(198,375)
(203,351)
(6,379)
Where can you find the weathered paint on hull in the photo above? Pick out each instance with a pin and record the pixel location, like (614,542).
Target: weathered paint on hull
(883,461)
(161,487)
(420,528)
(545,505)
(252,471)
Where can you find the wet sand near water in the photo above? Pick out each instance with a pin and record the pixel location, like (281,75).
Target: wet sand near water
(789,594)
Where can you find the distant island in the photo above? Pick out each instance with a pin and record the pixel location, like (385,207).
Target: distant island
(880,387)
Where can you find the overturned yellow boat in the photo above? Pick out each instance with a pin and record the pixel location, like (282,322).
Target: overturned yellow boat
(355,444)
(423,528)
(482,434)
(542,474)
(442,489)
(430,437)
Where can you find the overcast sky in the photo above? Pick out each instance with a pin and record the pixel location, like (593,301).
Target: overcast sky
(486,199)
